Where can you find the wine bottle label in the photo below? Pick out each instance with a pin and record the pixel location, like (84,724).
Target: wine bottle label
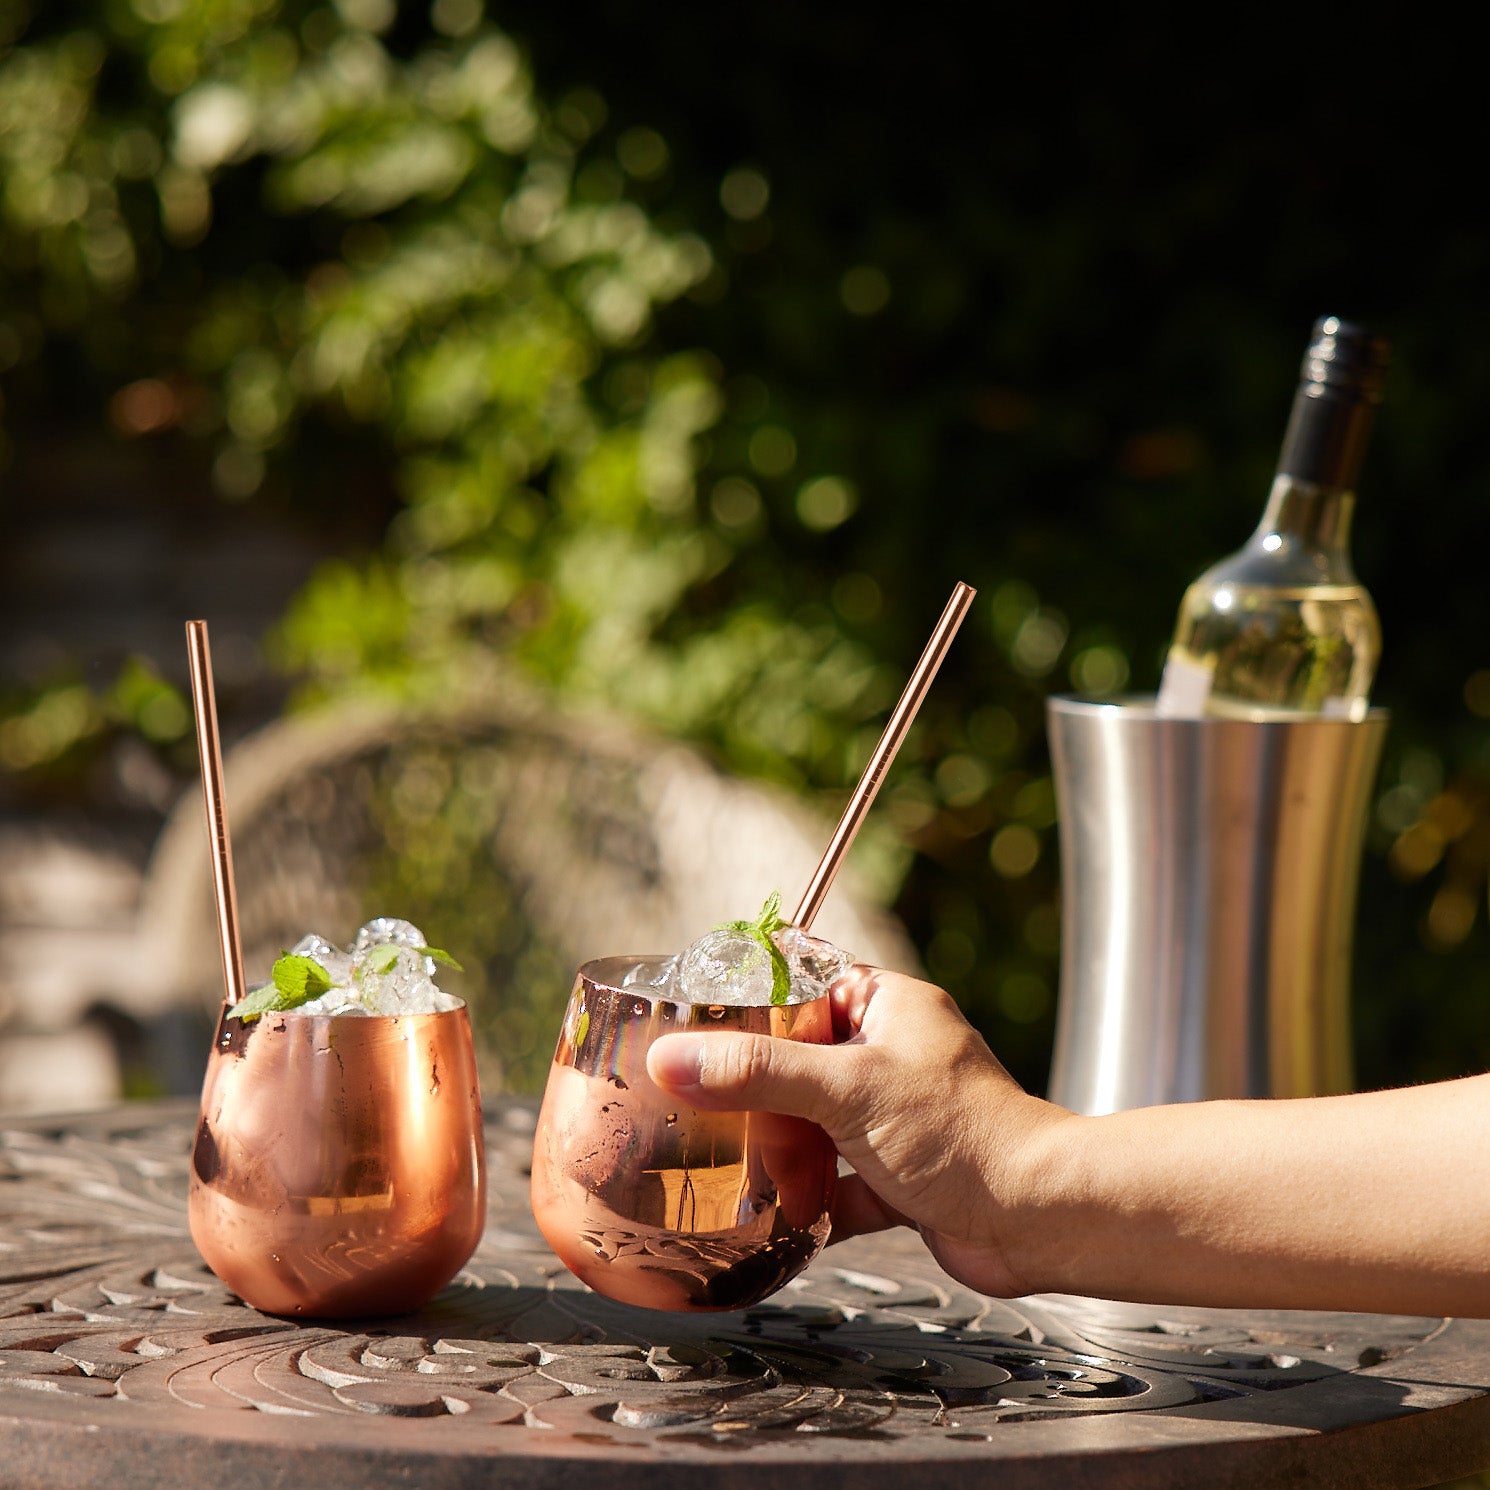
(1184,689)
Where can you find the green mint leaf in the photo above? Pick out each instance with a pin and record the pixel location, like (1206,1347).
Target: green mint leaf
(388,959)
(385,961)
(261,1001)
(295,981)
(781,974)
(770,918)
(299,980)
(760,929)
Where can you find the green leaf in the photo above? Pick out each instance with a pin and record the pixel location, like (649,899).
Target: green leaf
(262,1000)
(389,960)
(299,979)
(384,963)
(781,974)
(294,981)
(760,929)
(770,918)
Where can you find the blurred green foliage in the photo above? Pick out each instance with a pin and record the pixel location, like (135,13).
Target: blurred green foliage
(693,368)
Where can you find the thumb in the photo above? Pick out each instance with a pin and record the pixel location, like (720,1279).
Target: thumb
(751,1072)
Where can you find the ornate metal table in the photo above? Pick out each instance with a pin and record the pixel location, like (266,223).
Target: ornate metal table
(123,1361)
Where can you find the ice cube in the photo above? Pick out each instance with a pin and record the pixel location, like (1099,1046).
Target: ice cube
(395,978)
(724,967)
(814,963)
(336,962)
(387,929)
(333,1001)
(385,973)
(653,973)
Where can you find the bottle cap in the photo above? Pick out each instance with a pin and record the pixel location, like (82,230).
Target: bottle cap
(1345,356)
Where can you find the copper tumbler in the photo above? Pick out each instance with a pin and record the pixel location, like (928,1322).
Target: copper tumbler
(652,1202)
(339,1166)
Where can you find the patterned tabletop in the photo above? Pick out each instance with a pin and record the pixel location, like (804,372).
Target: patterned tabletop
(123,1360)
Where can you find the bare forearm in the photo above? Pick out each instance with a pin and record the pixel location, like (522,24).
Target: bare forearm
(1375,1201)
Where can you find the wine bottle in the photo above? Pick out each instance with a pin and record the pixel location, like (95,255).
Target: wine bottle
(1283,622)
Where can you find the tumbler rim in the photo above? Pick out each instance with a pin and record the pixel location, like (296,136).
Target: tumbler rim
(1144,706)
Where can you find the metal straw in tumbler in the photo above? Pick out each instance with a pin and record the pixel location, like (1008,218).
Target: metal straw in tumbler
(1209,870)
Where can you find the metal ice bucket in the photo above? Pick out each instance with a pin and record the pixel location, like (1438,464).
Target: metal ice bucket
(1209,870)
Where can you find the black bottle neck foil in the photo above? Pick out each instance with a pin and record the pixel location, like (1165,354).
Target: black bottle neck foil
(1340,386)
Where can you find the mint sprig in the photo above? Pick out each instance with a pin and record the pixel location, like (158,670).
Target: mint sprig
(760,929)
(294,981)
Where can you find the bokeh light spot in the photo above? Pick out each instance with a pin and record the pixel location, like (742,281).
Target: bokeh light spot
(163,716)
(910,807)
(1038,643)
(581,112)
(1450,916)
(213,122)
(962,780)
(369,15)
(238,471)
(1417,851)
(1015,851)
(735,503)
(642,153)
(1034,802)
(744,193)
(1099,671)
(1398,809)
(826,502)
(143,407)
(864,290)
(456,17)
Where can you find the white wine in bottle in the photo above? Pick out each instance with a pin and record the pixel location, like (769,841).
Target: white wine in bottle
(1283,623)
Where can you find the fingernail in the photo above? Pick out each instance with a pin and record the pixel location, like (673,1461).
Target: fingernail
(676,1060)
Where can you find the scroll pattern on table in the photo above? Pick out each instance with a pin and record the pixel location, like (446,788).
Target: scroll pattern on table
(103,1295)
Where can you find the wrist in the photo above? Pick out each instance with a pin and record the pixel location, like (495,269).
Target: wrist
(1041,1213)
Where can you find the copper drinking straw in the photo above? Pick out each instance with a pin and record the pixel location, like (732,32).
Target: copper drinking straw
(879,762)
(209,749)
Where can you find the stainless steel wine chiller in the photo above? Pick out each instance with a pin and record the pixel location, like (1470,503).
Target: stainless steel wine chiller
(1209,870)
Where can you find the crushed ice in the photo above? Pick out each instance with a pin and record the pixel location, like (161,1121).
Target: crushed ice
(385,972)
(728,967)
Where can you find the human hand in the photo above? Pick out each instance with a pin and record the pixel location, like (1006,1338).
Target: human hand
(939,1135)
(1333,1203)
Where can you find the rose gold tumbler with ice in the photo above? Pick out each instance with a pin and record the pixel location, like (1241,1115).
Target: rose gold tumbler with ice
(651,1202)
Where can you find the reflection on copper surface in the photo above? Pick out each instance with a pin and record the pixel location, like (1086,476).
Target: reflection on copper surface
(339,1167)
(652,1202)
